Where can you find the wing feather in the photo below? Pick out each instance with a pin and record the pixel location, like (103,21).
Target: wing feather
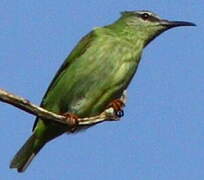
(78,51)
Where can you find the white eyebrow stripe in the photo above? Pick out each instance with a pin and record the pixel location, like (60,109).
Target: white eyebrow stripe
(148,12)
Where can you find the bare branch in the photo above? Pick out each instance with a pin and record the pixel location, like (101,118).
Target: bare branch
(27,106)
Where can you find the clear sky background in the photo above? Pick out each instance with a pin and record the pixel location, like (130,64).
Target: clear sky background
(161,136)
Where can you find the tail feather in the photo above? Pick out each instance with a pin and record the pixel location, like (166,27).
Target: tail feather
(25,155)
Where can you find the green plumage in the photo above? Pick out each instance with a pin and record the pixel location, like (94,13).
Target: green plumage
(96,72)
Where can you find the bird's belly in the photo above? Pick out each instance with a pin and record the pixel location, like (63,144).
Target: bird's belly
(93,95)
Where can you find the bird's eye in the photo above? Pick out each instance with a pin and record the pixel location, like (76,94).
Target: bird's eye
(145,16)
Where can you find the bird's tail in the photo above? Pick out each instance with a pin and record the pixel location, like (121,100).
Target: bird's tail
(25,155)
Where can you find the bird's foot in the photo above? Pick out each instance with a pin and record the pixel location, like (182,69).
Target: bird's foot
(117,105)
(72,120)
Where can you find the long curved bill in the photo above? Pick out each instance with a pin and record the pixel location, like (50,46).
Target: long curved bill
(171,24)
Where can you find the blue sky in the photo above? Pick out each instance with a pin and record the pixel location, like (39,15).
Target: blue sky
(162,133)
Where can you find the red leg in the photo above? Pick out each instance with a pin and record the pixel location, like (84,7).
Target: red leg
(117,105)
(72,120)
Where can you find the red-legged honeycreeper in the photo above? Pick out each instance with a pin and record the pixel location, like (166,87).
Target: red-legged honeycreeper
(96,72)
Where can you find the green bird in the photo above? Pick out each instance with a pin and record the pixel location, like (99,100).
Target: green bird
(94,75)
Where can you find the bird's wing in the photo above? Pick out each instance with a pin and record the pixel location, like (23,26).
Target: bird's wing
(78,51)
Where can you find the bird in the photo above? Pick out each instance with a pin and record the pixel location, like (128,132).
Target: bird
(94,76)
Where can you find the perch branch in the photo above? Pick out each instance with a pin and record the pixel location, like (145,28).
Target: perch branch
(27,106)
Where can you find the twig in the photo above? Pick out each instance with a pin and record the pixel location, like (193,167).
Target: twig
(27,106)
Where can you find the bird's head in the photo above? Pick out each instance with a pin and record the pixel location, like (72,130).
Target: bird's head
(148,25)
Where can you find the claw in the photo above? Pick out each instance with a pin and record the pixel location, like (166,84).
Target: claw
(117,105)
(72,120)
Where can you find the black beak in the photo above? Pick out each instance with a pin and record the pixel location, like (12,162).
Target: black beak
(171,24)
